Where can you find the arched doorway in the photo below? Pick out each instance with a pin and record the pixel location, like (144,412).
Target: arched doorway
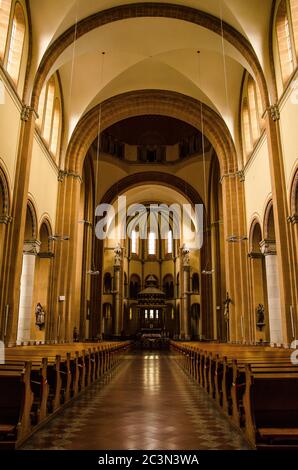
(258,284)
(42,282)
(268,248)
(195,324)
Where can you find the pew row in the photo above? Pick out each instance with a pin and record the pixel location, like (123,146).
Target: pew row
(256,387)
(36,382)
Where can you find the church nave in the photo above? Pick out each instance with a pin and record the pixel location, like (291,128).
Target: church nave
(147,403)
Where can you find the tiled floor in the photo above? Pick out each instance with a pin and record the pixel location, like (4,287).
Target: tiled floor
(148,403)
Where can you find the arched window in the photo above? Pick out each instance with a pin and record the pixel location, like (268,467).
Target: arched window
(55,128)
(49,110)
(294,14)
(195,311)
(285,47)
(4,23)
(134,243)
(50,115)
(41,103)
(125,286)
(16,43)
(246,128)
(253,111)
(134,286)
(195,283)
(178,285)
(168,286)
(107,311)
(107,283)
(170,242)
(152,244)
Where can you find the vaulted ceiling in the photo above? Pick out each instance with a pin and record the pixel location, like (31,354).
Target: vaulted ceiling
(150,53)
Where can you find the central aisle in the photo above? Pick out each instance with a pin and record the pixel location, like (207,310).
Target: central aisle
(147,403)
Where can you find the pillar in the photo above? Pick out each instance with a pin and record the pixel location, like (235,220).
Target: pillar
(10,289)
(280,210)
(185,298)
(31,249)
(268,248)
(117,293)
(65,260)
(4,221)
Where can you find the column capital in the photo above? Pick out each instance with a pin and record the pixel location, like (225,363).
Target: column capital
(239,173)
(26,111)
(5,219)
(31,247)
(273,112)
(63,174)
(268,247)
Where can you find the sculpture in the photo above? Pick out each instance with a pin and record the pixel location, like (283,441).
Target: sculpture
(185,254)
(260,316)
(117,253)
(227,302)
(39,316)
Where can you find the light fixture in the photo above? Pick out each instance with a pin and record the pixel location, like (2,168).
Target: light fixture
(236,239)
(93,273)
(59,238)
(87,222)
(207,273)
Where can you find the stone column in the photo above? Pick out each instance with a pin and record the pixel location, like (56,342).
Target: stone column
(10,288)
(4,221)
(268,248)
(280,209)
(185,297)
(117,294)
(65,260)
(31,249)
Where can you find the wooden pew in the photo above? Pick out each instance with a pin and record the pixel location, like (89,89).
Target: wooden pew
(16,399)
(270,407)
(50,377)
(222,370)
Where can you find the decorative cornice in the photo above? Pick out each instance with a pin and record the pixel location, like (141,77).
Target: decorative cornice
(5,219)
(62,174)
(268,247)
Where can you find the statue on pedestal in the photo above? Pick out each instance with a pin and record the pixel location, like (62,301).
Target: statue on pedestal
(117,253)
(39,316)
(260,316)
(185,255)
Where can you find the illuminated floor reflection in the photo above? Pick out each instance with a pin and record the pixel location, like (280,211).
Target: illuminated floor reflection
(148,403)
